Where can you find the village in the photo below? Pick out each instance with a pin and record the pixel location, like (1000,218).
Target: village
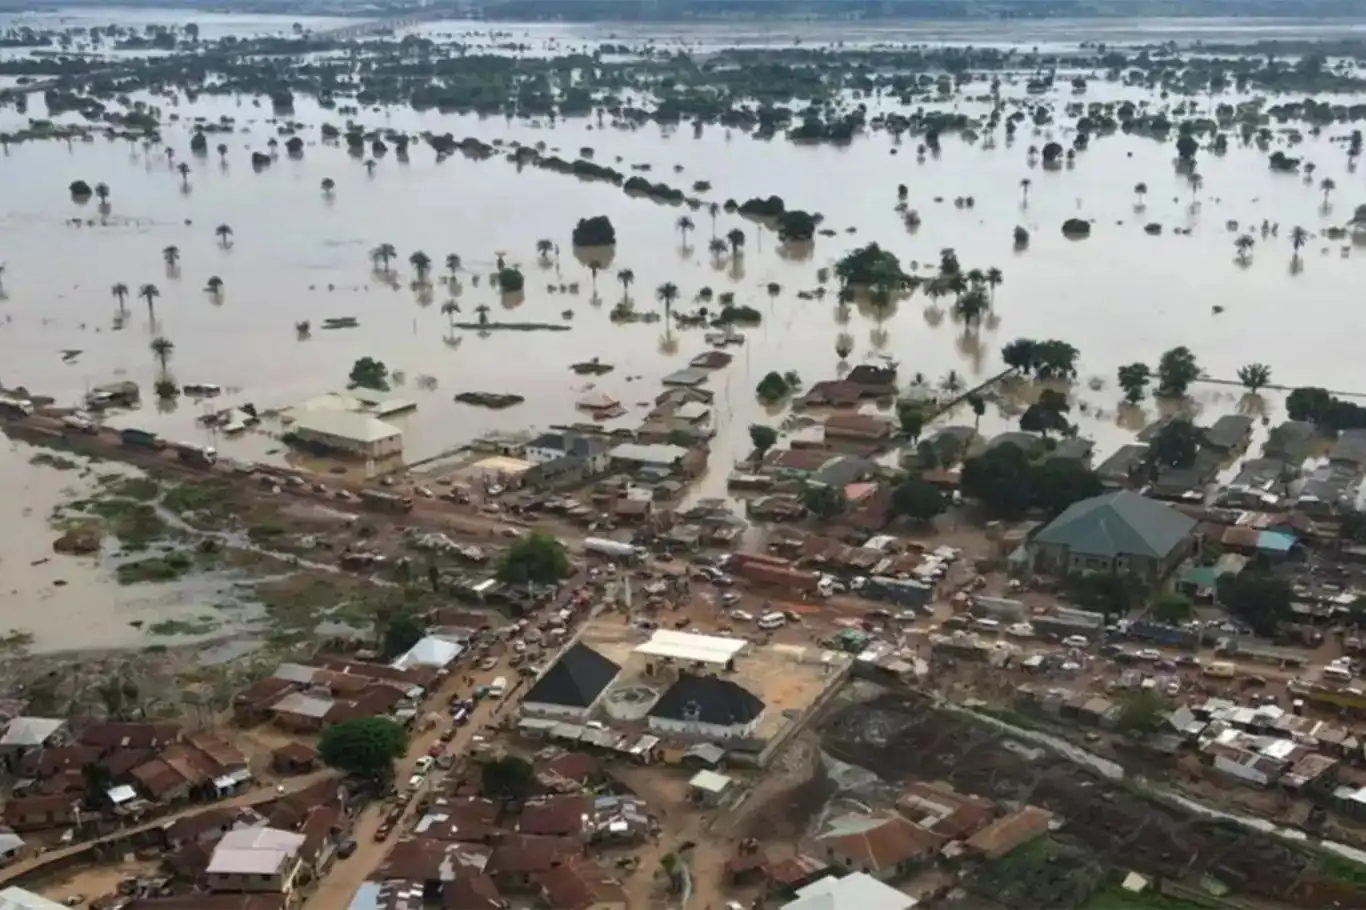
(653,724)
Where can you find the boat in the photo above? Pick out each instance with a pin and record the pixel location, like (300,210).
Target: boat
(201,389)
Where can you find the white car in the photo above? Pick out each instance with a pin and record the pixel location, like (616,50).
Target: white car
(1149,654)
(424,764)
(730,597)
(1077,641)
(741,616)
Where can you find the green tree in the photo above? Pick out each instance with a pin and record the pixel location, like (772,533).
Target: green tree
(172,256)
(772,388)
(1258,598)
(97,780)
(369,373)
(1298,238)
(1141,712)
(626,277)
(535,559)
(1172,608)
(1175,445)
(1176,371)
(1254,376)
(763,437)
(224,234)
(363,746)
(979,408)
(1058,483)
(402,632)
(684,225)
(666,294)
(1134,379)
(383,255)
(918,499)
(421,263)
(825,502)
(911,416)
(162,348)
(509,778)
(120,292)
(149,293)
(1111,593)
(1000,480)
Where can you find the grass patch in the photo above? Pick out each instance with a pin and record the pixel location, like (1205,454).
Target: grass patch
(156,569)
(1116,898)
(136,524)
(142,489)
(1341,869)
(201,625)
(265,534)
(57,462)
(214,497)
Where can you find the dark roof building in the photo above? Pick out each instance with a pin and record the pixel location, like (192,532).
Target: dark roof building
(573,684)
(695,703)
(1118,531)
(1230,432)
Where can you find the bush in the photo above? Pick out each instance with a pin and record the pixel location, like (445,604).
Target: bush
(595,231)
(1076,228)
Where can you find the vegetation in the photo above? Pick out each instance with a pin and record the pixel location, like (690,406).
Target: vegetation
(762,437)
(1176,371)
(401,632)
(918,499)
(776,386)
(508,777)
(534,559)
(369,373)
(595,231)
(824,502)
(1007,483)
(363,746)
(1258,598)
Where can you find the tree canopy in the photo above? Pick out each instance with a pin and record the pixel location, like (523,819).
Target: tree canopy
(402,632)
(369,373)
(1258,598)
(1006,483)
(363,746)
(762,437)
(535,559)
(595,231)
(1175,445)
(508,777)
(825,502)
(918,499)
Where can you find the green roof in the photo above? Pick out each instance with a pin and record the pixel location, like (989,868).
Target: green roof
(1118,524)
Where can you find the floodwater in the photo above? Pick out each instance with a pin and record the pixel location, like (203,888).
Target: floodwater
(1118,296)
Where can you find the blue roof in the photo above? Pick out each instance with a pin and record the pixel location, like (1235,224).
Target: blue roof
(1275,541)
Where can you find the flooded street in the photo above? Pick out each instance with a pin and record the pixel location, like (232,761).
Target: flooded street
(296,256)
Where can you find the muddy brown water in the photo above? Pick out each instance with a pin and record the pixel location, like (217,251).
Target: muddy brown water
(1118,296)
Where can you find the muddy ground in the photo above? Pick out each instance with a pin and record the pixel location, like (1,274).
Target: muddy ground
(1105,825)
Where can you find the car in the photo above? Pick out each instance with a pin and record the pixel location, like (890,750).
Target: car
(1187,660)
(382,832)
(1167,665)
(424,764)
(488,663)
(1151,654)
(741,616)
(730,597)
(1109,650)
(448,735)
(436,749)
(346,848)
(1076,641)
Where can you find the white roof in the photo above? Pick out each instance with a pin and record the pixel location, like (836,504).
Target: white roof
(660,454)
(254,851)
(710,781)
(858,891)
(432,651)
(31,731)
(710,649)
(18,899)
(344,424)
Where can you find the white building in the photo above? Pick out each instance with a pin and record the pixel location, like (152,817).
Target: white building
(706,707)
(856,891)
(345,431)
(572,685)
(550,447)
(15,898)
(261,860)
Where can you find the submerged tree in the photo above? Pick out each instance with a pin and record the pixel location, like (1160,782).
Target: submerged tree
(149,293)
(1254,376)
(120,292)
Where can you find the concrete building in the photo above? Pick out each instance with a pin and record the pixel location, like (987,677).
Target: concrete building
(348,432)
(552,446)
(1116,532)
(706,707)
(572,685)
(15,898)
(857,891)
(256,860)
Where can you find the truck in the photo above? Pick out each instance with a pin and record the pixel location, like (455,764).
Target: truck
(141,439)
(79,423)
(15,407)
(196,455)
(898,591)
(612,549)
(1162,633)
(381,501)
(781,576)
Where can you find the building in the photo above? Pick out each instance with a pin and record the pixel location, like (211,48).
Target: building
(858,891)
(572,685)
(15,898)
(630,456)
(1115,532)
(549,447)
(1230,433)
(1005,834)
(347,432)
(707,707)
(709,788)
(883,846)
(256,860)
(24,733)
(28,813)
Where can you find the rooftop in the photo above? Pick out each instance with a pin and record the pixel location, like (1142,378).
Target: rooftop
(708,700)
(575,680)
(14,898)
(254,851)
(709,649)
(1120,523)
(432,651)
(877,843)
(664,455)
(344,425)
(30,731)
(857,891)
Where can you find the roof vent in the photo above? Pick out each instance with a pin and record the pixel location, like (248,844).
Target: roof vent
(692,711)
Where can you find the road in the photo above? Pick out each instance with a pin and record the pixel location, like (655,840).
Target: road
(253,797)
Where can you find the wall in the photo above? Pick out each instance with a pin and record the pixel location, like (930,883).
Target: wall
(1240,771)
(704,731)
(542,709)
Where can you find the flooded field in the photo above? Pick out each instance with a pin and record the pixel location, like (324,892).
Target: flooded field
(296,254)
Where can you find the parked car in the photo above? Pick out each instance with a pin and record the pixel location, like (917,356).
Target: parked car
(346,848)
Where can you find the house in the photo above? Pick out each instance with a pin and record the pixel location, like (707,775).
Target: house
(555,816)
(943,811)
(434,863)
(550,447)
(1292,441)
(465,819)
(580,886)
(872,376)
(687,377)
(709,788)
(572,685)
(857,891)
(320,837)
(294,758)
(1349,449)
(842,393)
(15,898)
(1260,483)
(1230,433)
(256,860)
(708,707)
(1326,490)
(162,783)
(860,427)
(435,651)
(1074,448)
(28,813)
(12,846)
(1124,466)
(630,456)
(519,860)
(883,846)
(1005,834)
(348,432)
(25,733)
(114,736)
(712,360)
(844,470)
(1114,532)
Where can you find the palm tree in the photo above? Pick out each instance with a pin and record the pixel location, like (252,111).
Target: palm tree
(1025,184)
(172,256)
(383,255)
(223,152)
(420,262)
(1140,190)
(736,238)
(666,294)
(214,285)
(713,210)
(369,167)
(1298,238)
(120,292)
(102,191)
(979,407)
(543,248)
(449,309)
(971,305)
(684,224)
(482,312)
(994,280)
(593,268)
(1244,245)
(184,172)
(224,233)
(718,248)
(162,348)
(149,293)
(1327,186)
(452,263)
(626,277)
(328,185)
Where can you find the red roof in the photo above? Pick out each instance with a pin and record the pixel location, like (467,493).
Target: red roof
(578,886)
